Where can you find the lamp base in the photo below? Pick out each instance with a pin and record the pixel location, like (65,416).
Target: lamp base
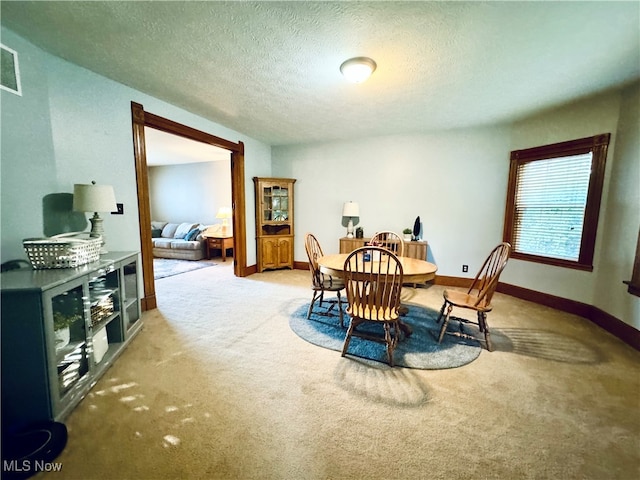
(98,231)
(350,228)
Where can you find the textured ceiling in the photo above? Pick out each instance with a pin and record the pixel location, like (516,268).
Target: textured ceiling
(271,69)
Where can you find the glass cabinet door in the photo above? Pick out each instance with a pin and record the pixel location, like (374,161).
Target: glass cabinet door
(275,201)
(70,336)
(104,302)
(130,289)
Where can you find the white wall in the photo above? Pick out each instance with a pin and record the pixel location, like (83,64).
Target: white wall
(456,181)
(616,113)
(582,119)
(620,233)
(190,192)
(28,163)
(72,126)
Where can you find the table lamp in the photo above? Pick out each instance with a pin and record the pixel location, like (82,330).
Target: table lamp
(224,213)
(351,211)
(94,198)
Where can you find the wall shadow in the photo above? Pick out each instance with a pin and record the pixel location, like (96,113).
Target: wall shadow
(58,215)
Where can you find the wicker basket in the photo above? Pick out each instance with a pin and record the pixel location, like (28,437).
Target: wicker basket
(66,250)
(101,310)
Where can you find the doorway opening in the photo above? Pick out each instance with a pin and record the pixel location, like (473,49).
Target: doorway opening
(142,119)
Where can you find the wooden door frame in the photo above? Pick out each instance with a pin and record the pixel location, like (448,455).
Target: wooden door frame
(141,119)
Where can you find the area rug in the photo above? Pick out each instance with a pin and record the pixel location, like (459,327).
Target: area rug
(420,350)
(168,267)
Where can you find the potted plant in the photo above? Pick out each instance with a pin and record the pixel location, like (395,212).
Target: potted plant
(407,234)
(66,312)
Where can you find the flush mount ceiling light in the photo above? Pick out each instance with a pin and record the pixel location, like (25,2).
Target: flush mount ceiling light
(358,69)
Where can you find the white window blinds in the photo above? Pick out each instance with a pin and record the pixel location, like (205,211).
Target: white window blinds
(550,201)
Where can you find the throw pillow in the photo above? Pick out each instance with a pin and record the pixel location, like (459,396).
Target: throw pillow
(157,224)
(183,229)
(156,232)
(169,230)
(191,236)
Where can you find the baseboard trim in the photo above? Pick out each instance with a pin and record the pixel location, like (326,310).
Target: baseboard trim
(548,300)
(251,270)
(604,320)
(452,281)
(148,303)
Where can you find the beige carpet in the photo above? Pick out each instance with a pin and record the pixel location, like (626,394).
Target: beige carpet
(218,386)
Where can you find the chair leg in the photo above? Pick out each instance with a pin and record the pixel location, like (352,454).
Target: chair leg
(441,312)
(347,338)
(313,300)
(484,327)
(390,343)
(445,323)
(340,309)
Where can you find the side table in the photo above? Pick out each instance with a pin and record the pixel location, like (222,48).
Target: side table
(411,249)
(219,243)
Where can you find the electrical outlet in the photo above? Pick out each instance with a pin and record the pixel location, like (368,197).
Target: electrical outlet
(120,210)
(465,268)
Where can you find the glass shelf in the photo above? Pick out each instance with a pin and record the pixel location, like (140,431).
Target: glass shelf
(275,201)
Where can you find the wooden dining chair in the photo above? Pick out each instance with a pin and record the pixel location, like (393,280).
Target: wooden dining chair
(373,294)
(320,282)
(478,296)
(389,240)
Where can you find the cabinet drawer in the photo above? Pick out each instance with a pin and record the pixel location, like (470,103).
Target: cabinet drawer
(215,243)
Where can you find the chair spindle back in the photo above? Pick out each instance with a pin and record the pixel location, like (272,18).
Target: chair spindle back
(373,287)
(486,281)
(314,252)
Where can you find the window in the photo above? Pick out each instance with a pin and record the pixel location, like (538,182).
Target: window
(553,202)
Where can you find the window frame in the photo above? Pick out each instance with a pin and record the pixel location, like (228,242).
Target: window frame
(598,146)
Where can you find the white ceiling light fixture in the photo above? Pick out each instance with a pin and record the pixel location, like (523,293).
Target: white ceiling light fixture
(358,69)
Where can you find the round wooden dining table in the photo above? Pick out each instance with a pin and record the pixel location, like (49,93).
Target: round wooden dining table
(414,271)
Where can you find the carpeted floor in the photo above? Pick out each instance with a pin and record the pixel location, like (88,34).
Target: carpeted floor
(168,267)
(420,350)
(217,386)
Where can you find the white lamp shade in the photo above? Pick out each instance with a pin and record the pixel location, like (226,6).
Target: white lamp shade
(94,198)
(224,212)
(351,209)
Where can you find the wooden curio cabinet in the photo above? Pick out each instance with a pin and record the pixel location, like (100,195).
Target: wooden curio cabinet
(274,222)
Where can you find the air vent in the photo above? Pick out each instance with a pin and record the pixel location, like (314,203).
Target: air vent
(9,71)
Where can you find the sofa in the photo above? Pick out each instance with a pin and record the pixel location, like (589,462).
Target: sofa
(182,241)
